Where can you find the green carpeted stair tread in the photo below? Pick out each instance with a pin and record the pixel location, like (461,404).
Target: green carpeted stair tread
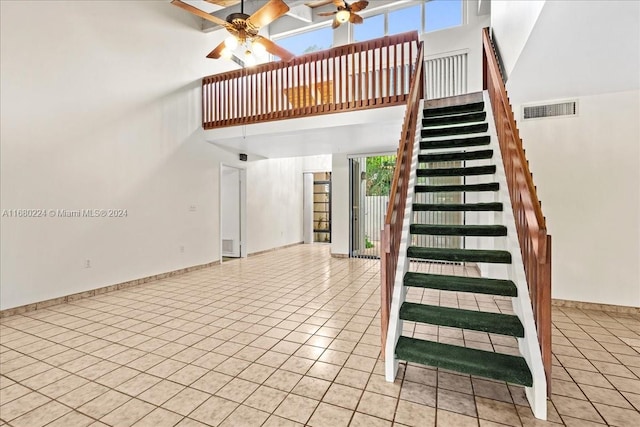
(468,171)
(458,207)
(458,230)
(493,323)
(454,130)
(473,141)
(453,109)
(492,186)
(460,255)
(455,156)
(454,119)
(497,366)
(478,285)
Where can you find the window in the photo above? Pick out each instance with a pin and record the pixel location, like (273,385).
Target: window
(371,28)
(403,20)
(441,14)
(310,41)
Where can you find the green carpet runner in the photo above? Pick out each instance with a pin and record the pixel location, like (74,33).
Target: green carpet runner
(446,128)
(494,323)
(498,366)
(478,285)
(459,207)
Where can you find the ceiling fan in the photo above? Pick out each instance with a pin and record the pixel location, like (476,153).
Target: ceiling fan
(244,31)
(346,12)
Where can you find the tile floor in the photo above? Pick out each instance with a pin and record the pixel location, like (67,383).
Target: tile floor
(288,338)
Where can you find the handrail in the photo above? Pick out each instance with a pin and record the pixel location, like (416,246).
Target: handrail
(535,243)
(393,224)
(370,74)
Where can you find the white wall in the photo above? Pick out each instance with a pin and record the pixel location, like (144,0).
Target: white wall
(340,210)
(101,109)
(274,203)
(512,23)
(587,170)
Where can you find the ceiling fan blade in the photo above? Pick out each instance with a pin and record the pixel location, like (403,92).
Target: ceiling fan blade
(274,49)
(358,6)
(217,52)
(267,13)
(335,24)
(223,3)
(198,12)
(327,13)
(355,19)
(318,3)
(340,3)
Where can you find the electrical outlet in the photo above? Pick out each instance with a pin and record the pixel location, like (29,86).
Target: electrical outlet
(87,263)
(181,249)
(192,208)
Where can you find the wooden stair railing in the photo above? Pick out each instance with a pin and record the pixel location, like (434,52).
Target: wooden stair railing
(370,74)
(535,243)
(393,223)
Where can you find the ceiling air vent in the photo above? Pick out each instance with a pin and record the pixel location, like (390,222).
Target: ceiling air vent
(557,109)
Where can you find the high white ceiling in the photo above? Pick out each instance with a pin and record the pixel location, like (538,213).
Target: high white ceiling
(579,48)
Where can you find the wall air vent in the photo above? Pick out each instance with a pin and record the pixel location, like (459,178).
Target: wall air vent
(556,109)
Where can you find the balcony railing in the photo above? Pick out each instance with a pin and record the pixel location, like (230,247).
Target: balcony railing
(371,74)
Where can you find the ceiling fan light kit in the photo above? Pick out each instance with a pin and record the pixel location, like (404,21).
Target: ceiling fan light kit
(346,12)
(244,30)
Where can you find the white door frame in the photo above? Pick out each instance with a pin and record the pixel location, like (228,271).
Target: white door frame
(243,208)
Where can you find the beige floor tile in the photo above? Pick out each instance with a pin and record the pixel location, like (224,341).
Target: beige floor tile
(237,390)
(14,391)
(296,408)
(214,410)
(377,405)
(297,364)
(42,415)
(161,392)
(275,421)
(138,384)
(75,419)
(413,414)
(500,412)
(450,419)
(283,380)
(185,401)
(460,403)
(576,408)
(418,393)
(378,384)
(313,388)
(22,405)
(341,395)
(257,373)
(245,416)
(103,404)
(363,420)
(128,414)
(330,415)
(606,396)
(159,418)
(353,378)
(265,399)
(618,416)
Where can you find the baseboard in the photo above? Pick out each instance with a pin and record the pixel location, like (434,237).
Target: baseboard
(275,249)
(86,294)
(611,308)
(340,256)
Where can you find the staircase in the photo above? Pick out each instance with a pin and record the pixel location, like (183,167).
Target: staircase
(461,133)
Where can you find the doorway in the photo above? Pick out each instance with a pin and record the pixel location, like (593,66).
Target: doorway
(370,183)
(232,212)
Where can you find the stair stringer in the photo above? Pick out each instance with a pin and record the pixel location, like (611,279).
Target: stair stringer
(529,346)
(399,290)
